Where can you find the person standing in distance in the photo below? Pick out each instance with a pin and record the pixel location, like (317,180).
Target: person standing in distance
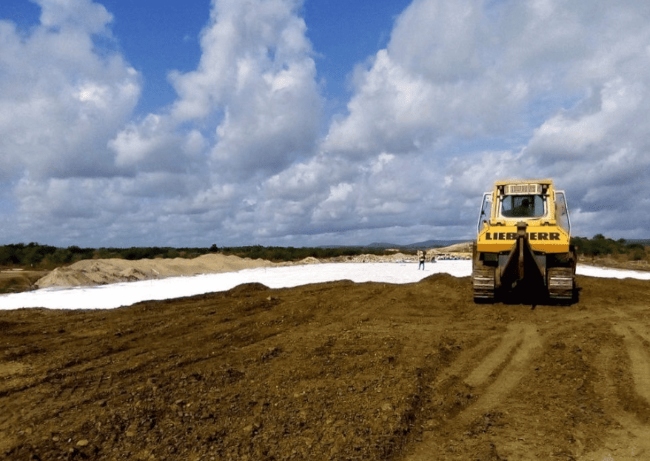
(422,255)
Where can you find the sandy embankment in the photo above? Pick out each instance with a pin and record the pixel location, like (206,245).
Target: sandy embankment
(105,271)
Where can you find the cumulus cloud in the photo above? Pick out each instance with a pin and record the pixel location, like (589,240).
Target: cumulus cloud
(250,109)
(253,103)
(469,91)
(155,144)
(59,99)
(256,80)
(464,93)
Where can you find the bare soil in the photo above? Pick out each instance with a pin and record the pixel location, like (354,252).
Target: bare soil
(17,280)
(335,371)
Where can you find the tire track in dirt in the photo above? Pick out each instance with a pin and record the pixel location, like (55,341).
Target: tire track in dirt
(628,441)
(515,351)
(633,339)
(496,376)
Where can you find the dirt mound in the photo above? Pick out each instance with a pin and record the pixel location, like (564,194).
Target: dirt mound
(309,260)
(332,371)
(105,271)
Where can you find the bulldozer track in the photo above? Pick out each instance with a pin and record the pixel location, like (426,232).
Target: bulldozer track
(483,284)
(639,356)
(512,357)
(493,379)
(561,283)
(627,439)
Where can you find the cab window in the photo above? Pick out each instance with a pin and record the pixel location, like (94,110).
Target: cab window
(522,206)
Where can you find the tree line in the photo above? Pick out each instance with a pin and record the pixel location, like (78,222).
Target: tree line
(600,245)
(47,257)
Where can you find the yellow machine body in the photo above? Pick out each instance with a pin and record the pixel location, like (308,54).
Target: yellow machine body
(523,241)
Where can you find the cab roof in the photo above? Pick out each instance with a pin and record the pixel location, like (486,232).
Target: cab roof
(505,182)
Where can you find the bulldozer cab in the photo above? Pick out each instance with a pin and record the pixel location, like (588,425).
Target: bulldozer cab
(517,202)
(522,202)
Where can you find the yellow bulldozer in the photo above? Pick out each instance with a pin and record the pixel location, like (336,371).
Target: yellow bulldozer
(523,248)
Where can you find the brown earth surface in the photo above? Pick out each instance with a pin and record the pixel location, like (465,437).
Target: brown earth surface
(334,371)
(17,280)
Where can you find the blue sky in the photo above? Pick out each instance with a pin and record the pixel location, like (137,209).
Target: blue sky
(289,122)
(159,36)
(343,34)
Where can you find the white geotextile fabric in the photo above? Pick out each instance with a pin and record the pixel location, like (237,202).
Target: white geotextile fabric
(125,294)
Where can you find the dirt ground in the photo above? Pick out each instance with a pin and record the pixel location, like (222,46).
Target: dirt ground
(335,371)
(15,281)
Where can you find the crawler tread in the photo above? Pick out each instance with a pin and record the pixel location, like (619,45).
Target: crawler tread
(561,283)
(483,282)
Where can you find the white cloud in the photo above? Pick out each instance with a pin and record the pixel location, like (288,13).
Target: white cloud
(82,16)
(464,93)
(154,144)
(250,109)
(257,70)
(253,98)
(59,100)
(557,89)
